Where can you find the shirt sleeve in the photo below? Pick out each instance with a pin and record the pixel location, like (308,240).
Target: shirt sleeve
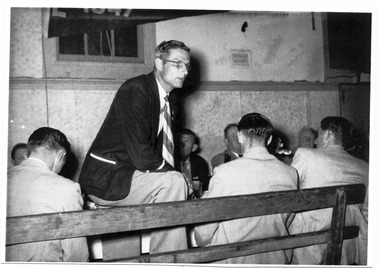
(299,164)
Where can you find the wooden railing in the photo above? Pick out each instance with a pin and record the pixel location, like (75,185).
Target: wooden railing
(54,226)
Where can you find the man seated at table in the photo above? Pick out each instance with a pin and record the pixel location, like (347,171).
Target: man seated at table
(307,137)
(256,172)
(331,165)
(190,164)
(233,150)
(35,188)
(19,153)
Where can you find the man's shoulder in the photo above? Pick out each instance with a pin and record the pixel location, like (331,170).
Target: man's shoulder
(234,166)
(354,161)
(198,160)
(219,156)
(302,150)
(48,179)
(307,153)
(196,157)
(143,78)
(137,87)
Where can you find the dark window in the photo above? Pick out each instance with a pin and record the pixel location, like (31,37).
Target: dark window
(349,41)
(72,45)
(126,42)
(121,44)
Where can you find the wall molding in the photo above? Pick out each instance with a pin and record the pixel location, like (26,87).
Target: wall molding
(22,83)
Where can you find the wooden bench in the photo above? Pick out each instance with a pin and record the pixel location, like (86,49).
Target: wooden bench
(53,226)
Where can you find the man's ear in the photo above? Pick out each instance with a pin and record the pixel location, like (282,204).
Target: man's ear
(240,137)
(226,142)
(269,140)
(195,147)
(60,155)
(158,63)
(328,135)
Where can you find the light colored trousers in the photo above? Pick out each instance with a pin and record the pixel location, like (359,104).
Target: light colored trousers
(156,187)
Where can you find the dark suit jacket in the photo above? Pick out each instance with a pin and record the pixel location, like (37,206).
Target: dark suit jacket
(199,168)
(127,141)
(219,158)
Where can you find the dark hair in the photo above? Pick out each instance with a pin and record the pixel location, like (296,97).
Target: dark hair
(163,48)
(186,131)
(50,138)
(339,126)
(228,127)
(16,147)
(255,124)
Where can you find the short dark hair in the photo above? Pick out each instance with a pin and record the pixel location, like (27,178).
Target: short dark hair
(187,131)
(255,124)
(164,47)
(228,127)
(50,138)
(341,127)
(20,145)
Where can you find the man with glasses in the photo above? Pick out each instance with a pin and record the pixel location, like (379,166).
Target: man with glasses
(131,159)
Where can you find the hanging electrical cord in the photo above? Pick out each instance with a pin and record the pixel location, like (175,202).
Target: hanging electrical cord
(110,45)
(101,43)
(45,73)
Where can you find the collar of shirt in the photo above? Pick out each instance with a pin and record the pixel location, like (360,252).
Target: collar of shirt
(259,153)
(39,160)
(332,147)
(187,162)
(162,93)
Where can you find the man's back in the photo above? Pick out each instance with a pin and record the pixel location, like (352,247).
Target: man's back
(328,167)
(256,172)
(34,189)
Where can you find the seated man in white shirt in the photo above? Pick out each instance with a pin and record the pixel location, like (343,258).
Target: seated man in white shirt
(257,171)
(330,165)
(34,187)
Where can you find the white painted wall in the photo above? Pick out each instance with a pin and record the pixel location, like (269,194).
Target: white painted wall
(283,46)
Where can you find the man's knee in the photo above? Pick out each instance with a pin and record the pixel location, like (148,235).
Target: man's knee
(176,179)
(176,185)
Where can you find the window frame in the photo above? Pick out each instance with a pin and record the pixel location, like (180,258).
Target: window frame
(100,58)
(332,73)
(60,67)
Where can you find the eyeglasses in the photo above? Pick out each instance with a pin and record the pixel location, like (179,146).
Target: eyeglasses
(180,64)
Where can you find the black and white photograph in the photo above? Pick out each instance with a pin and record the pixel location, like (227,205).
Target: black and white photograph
(189,134)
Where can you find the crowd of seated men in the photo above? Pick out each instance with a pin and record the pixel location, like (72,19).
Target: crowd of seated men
(35,186)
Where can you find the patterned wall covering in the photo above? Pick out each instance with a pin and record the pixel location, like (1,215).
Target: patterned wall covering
(79,108)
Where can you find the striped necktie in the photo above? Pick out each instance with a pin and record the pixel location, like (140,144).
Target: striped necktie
(168,144)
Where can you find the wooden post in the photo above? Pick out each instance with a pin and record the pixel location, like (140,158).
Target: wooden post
(334,246)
